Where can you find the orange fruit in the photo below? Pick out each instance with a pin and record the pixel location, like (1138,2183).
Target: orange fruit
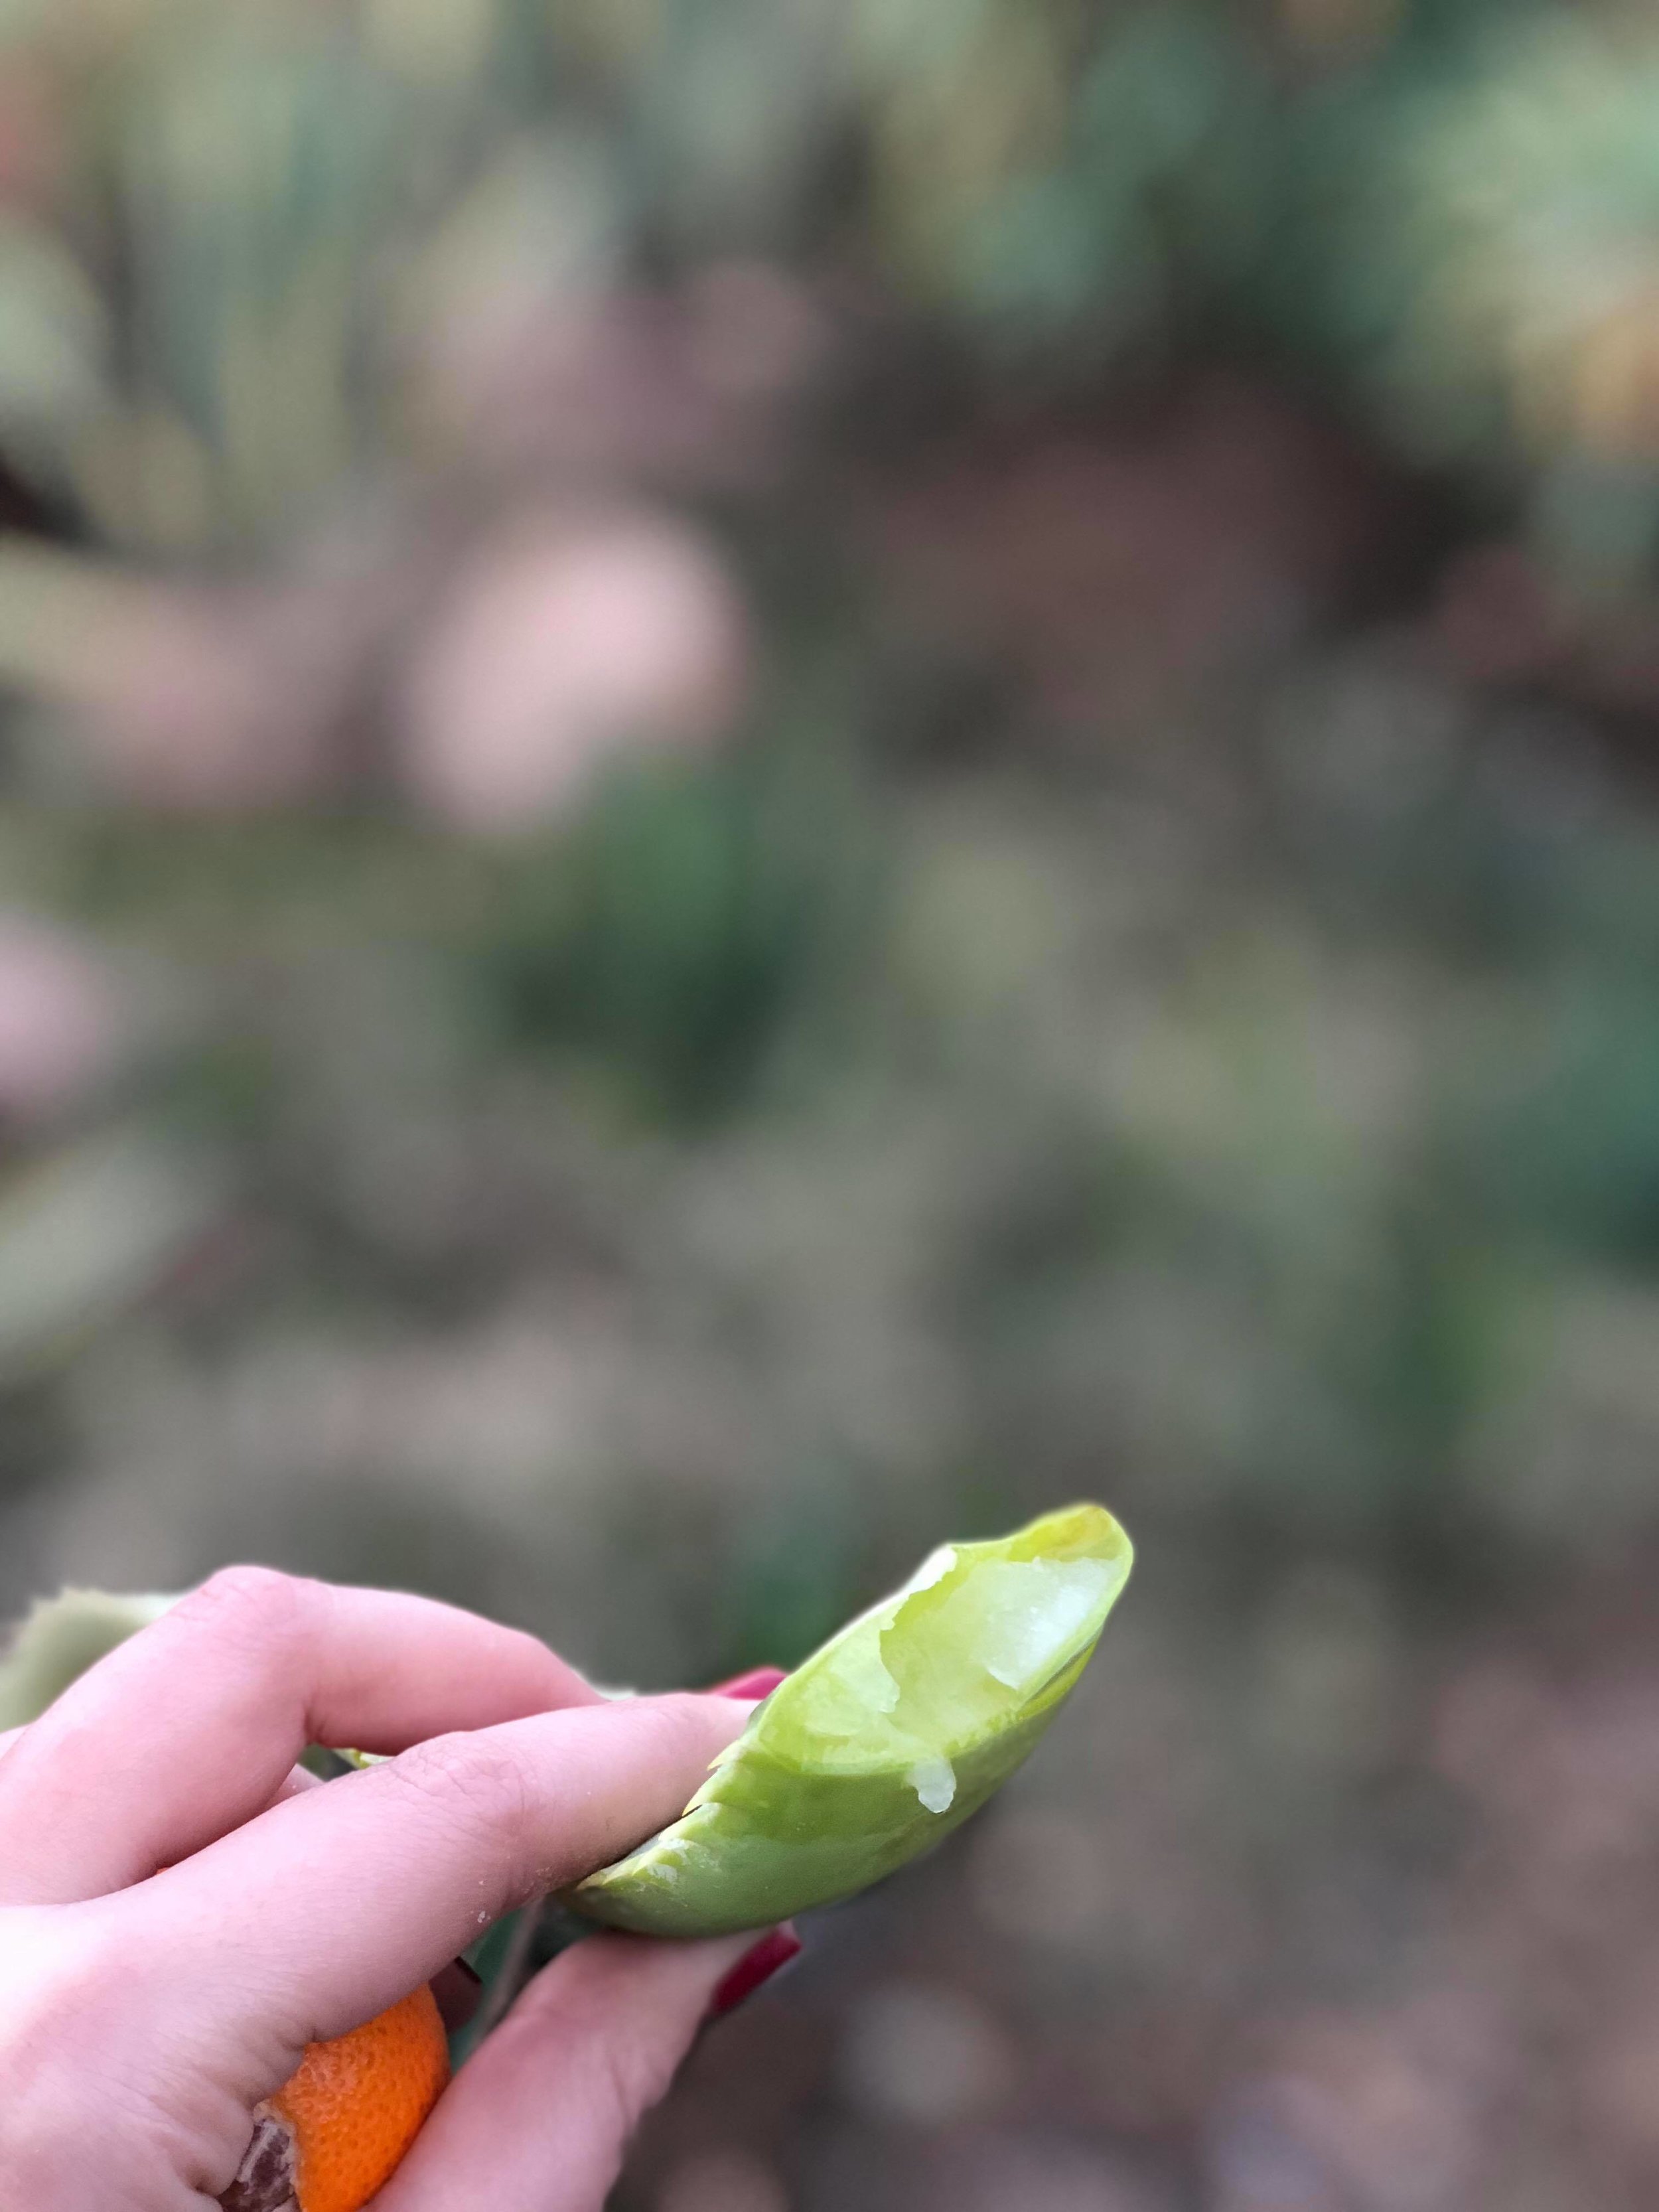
(334,2132)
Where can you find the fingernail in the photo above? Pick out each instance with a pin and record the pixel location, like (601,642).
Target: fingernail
(756,1965)
(758,1682)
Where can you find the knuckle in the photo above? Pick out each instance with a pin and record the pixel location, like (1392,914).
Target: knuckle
(633,2037)
(471,1785)
(678,1730)
(258,1604)
(625,2080)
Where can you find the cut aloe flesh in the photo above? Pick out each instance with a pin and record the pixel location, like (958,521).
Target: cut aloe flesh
(885,1740)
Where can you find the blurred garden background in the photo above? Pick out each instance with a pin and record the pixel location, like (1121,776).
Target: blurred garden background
(779,776)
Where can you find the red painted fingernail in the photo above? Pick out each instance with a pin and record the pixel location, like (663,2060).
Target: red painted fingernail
(756,1965)
(758,1682)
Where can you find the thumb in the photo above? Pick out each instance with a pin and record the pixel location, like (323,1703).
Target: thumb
(539,2120)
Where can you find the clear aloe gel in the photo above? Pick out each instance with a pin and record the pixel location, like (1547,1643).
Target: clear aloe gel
(885,1740)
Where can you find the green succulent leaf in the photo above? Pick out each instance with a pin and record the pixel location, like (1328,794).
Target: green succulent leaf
(885,1740)
(59,1638)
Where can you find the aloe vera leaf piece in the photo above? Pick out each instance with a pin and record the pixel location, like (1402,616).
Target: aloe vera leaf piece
(887,1738)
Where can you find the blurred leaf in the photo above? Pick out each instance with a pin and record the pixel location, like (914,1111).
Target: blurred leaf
(59,1639)
(54,348)
(88,1232)
(669,936)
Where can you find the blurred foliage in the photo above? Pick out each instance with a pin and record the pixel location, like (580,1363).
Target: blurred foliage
(243,245)
(1245,1169)
(779,775)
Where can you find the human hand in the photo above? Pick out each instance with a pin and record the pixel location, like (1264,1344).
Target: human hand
(182,1910)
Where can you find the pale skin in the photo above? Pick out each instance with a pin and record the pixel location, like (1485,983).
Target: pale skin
(181,1912)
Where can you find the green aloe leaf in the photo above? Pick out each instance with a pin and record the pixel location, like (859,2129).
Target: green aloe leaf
(59,1639)
(885,1740)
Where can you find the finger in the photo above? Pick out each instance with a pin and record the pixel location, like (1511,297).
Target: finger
(191,1726)
(342,1899)
(295,1783)
(538,2121)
